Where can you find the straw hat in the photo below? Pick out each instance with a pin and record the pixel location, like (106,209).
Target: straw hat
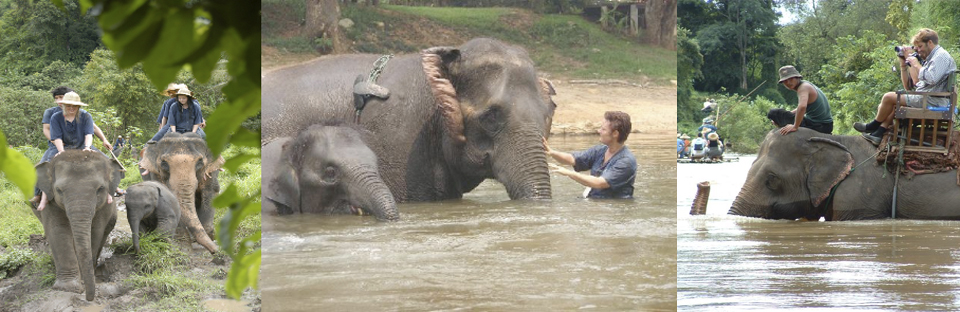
(184,91)
(685,137)
(788,72)
(713,136)
(72,98)
(706,130)
(171,89)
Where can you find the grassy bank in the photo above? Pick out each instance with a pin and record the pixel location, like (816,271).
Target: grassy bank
(565,45)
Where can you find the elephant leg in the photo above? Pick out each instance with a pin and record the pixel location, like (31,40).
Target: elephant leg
(60,237)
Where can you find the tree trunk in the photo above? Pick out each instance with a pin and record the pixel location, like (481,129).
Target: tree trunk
(661,20)
(322,18)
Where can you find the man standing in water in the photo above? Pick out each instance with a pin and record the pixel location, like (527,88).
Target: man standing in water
(613,168)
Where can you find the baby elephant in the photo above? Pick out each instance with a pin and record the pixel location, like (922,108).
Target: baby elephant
(151,206)
(324,170)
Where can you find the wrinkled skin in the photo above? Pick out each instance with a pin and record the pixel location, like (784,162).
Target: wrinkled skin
(151,206)
(184,163)
(793,175)
(325,170)
(78,218)
(479,114)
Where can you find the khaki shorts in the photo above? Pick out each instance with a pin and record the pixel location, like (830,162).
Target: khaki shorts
(913,100)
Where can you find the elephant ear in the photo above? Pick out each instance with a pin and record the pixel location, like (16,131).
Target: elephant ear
(547,92)
(828,163)
(150,156)
(285,187)
(45,176)
(116,174)
(436,65)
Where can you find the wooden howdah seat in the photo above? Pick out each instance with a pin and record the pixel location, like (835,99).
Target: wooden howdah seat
(926,128)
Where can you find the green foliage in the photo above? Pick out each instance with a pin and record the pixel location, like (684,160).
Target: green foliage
(17,169)
(157,254)
(898,15)
(170,284)
(35,34)
(17,221)
(744,124)
(689,61)
(14,258)
(22,111)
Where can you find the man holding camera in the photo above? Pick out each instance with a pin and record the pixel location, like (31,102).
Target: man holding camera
(931,75)
(812,111)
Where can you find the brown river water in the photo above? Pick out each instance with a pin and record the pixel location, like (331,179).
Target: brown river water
(734,263)
(486,252)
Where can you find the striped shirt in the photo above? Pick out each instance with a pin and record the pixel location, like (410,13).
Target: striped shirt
(933,74)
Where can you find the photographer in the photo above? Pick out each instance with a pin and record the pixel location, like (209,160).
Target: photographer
(928,76)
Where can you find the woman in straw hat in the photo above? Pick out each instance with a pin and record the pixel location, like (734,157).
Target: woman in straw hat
(185,116)
(714,146)
(171,92)
(71,129)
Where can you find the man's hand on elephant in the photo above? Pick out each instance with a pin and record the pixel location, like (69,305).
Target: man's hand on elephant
(108,145)
(787,129)
(558,169)
(545,146)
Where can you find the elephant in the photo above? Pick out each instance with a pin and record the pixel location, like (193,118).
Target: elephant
(80,213)
(809,175)
(327,170)
(184,163)
(151,206)
(443,121)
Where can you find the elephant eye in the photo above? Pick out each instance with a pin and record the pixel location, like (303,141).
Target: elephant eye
(773,182)
(164,166)
(492,120)
(199,164)
(329,175)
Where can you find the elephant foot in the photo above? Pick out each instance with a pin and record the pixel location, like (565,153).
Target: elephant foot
(68,285)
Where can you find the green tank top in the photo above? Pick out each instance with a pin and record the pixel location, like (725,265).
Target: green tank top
(819,110)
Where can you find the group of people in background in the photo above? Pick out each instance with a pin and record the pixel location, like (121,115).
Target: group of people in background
(707,145)
(67,126)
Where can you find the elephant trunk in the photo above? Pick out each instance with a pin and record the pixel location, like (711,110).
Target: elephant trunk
(743,207)
(372,193)
(522,167)
(80,215)
(134,221)
(185,196)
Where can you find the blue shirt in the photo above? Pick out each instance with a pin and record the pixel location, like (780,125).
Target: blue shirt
(620,171)
(46,120)
(165,108)
(184,118)
(72,133)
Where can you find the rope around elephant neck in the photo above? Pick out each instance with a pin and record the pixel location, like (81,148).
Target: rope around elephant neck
(833,190)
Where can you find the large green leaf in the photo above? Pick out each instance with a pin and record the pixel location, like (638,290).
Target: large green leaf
(17,168)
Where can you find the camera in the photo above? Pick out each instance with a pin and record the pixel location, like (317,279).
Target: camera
(900,50)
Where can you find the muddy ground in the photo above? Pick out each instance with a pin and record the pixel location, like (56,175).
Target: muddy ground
(23,291)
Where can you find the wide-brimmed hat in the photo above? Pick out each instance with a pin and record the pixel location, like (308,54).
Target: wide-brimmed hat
(184,91)
(713,136)
(684,137)
(708,120)
(788,72)
(706,130)
(72,98)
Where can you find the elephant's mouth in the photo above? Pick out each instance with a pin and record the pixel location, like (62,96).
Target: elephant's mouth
(346,207)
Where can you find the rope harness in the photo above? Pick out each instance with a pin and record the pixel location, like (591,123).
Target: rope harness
(365,88)
(893,212)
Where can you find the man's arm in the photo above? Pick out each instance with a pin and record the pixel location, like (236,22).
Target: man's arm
(96,130)
(46,131)
(561,157)
(163,122)
(803,98)
(195,127)
(87,142)
(584,179)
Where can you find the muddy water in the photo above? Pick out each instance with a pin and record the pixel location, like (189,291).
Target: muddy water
(733,263)
(486,252)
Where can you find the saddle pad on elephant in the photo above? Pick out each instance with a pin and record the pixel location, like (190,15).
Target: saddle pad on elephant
(916,162)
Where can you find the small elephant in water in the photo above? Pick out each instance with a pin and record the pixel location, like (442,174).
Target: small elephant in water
(325,169)
(79,215)
(151,206)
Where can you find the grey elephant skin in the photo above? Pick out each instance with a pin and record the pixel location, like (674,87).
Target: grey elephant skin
(794,174)
(454,116)
(78,219)
(184,163)
(151,206)
(324,170)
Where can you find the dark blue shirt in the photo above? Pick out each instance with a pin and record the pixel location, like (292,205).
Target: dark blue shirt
(620,171)
(184,119)
(165,109)
(46,119)
(711,127)
(71,133)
